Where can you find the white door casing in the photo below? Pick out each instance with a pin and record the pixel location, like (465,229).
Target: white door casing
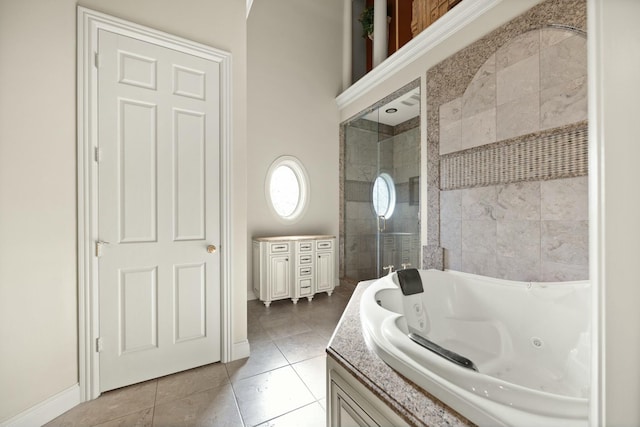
(186,231)
(158,207)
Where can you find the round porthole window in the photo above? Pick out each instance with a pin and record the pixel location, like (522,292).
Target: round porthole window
(287,188)
(384,195)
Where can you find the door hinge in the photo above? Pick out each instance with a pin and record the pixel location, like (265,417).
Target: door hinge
(98,154)
(99,344)
(99,247)
(97,60)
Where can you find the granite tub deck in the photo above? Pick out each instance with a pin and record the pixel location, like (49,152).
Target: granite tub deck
(348,348)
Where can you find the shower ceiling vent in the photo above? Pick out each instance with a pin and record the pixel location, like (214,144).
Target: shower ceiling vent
(406,107)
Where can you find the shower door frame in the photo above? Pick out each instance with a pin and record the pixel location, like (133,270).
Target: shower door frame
(343,164)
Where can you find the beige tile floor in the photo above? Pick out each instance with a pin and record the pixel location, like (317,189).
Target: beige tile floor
(282,383)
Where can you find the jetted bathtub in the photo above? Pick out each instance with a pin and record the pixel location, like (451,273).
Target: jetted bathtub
(505,353)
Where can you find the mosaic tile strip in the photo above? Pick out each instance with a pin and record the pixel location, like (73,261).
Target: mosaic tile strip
(543,156)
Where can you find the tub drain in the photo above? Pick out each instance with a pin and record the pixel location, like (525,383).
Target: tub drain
(537,342)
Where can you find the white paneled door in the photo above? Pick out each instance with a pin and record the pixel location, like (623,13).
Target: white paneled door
(158,210)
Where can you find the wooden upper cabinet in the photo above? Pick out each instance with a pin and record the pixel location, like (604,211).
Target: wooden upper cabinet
(400,12)
(407,18)
(426,12)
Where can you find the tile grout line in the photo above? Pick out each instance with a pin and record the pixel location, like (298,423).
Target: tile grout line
(235,398)
(316,317)
(153,409)
(303,381)
(289,412)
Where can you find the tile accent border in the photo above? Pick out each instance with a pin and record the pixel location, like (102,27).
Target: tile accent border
(405,126)
(559,153)
(385,129)
(372,126)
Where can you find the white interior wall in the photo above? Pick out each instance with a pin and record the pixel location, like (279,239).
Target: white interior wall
(38,283)
(38,355)
(615,202)
(294,75)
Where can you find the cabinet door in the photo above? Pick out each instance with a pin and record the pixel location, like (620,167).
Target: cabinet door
(350,403)
(345,412)
(324,271)
(280,276)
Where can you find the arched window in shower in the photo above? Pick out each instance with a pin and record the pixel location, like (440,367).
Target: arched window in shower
(383,198)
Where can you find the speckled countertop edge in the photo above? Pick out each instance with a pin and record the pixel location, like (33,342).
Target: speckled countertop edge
(348,348)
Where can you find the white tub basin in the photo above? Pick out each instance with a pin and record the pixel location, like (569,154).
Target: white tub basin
(529,341)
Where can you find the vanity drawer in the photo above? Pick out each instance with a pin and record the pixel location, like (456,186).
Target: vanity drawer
(305,246)
(305,271)
(276,248)
(304,259)
(305,287)
(324,245)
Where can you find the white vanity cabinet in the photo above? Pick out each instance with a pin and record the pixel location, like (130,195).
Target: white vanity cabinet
(272,270)
(303,285)
(325,265)
(349,403)
(293,267)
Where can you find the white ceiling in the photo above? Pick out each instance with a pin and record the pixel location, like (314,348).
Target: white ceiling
(408,106)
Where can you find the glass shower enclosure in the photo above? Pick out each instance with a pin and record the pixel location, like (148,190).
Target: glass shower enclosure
(381,194)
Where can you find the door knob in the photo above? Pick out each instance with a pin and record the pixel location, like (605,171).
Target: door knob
(211,248)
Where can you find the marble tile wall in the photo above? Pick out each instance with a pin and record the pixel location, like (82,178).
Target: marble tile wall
(536,81)
(531,231)
(523,81)
(406,164)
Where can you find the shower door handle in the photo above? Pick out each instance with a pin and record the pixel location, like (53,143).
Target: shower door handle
(382,223)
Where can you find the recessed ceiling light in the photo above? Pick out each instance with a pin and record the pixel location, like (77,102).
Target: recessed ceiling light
(391,110)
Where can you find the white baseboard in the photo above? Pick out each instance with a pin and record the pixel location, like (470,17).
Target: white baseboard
(47,410)
(240,350)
